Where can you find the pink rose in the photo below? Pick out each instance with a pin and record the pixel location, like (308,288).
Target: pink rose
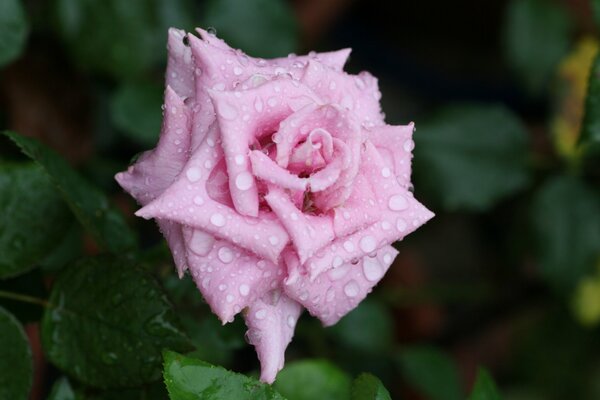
(277,184)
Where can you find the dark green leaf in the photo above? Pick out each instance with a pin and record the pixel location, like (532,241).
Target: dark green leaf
(369,387)
(596,11)
(67,250)
(123,38)
(135,109)
(262,28)
(536,38)
(484,388)
(34,217)
(189,379)
(90,206)
(108,323)
(432,372)
(16,369)
(351,333)
(471,156)
(590,132)
(14,30)
(566,225)
(313,379)
(29,284)
(62,390)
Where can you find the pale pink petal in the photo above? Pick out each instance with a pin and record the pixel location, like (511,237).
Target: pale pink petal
(180,65)
(309,233)
(332,294)
(187,202)
(359,211)
(263,167)
(395,144)
(229,278)
(271,321)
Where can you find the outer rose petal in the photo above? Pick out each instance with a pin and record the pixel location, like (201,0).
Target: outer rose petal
(187,202)
(395,144)
(334,293)
(180,65)
(229,278)
(271,321)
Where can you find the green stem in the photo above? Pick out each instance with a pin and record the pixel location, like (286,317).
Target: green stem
(24,298)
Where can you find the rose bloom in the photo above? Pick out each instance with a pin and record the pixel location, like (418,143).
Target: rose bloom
(277,185)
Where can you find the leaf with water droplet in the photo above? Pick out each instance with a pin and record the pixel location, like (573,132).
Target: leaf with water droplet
(33,218)
(369,387)
(87,202)
(313,379)
(16,369)
(104,343)
(189,378)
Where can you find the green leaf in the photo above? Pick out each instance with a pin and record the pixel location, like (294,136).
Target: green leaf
(566,226)
(62,390)
(30,284)
(16,369)
(484,388)
(108,322)
(136,110)
(34,217)
(469,157)
(590,129)
(261,28)
(313,379)
(189,379)
(90,206)
(536,34)
(369,387)
(432,372)
(122,38)
(350,331)
(15,29)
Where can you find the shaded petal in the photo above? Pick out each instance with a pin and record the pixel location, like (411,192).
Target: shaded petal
(395,144)
(180,64)
(263,167)
(359,211)
(271,321)
(334,293)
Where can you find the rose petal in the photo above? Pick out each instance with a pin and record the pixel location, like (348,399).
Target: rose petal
(396,144)
(180,64)
(263,167)
(334,293)
(271,321)
(359,211)
(309,233)
(229,278)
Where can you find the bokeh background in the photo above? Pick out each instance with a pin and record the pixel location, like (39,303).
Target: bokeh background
(505,277)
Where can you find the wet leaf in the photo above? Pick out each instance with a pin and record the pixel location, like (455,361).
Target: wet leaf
(108,323)
(135,110)
(33,218)
(313,379)
(16,369)
(14,32)
(469,157)
(29,284)
(590,132)
(369,387)
(62,390)
(189,378)
(537,34)
(90,205)
(261,28)
(566,227)
(431,372)
(484,388)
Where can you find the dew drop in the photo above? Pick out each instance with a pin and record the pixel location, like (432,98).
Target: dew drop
(237,71)
(229,298)
(291,321)
(385,172)
(217,220)
(371,269)
(273,240)
(408,145)
(193,174)
(260,314)
(397,203)
(258,104)
(351,289)
(400,225)
(244,289)
(243,181)
(198,200)
(227,111)
(348,246)
(225,255)
(239,159)
(368,244)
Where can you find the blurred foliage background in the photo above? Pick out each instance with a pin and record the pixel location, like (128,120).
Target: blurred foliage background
(505,280)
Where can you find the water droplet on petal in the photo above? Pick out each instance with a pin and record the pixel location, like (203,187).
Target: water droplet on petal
(348,246)
(243,181)
(227,111)
(397,203)
(244,289)
(193,174)
(351,289)
(372,270)
(217,220)
(260,314)
(408,145)
(273,240)
(198,200)
(258,104)
(385,172)
(368,244)
(400,225)
(239,159)
(237,71)
(225,255)
(291,321)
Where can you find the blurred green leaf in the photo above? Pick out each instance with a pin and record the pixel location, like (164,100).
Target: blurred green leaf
(62,390)
(313,379)
(484,388)
(68,249)
(350,331)
(566,226)
(135,110)
(29,284)
(369,387)
(34,217)
(432,372)
(590,129)
(15,29)
(90,205)
(122,38)
(471,156)
(108,323)
(261,28)
(16,370)
(596,11)
(189,378)
(537,34)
